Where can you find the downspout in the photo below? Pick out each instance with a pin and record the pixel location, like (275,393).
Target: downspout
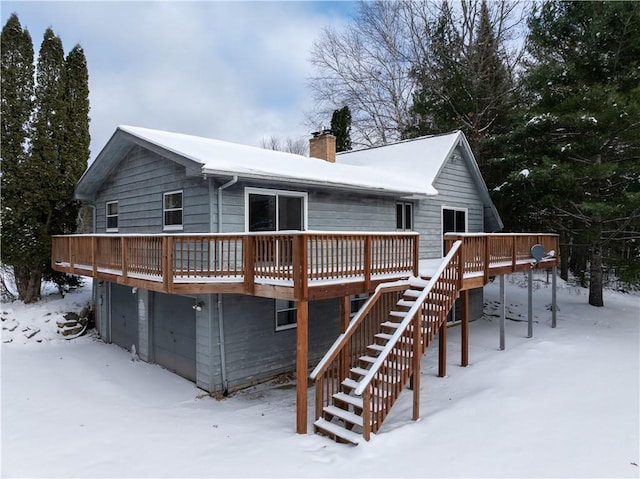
(223,361)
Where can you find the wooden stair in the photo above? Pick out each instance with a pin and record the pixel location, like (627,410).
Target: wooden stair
(384,365)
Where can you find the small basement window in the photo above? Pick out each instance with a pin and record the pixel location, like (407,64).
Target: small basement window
(356,302)
(112,216)
(172,210)
(286,312)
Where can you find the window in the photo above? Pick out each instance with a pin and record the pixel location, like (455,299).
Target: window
(112,216)
(454,220)
(285,314)
(404,216)
(356,302)
(274,210)
(172,210)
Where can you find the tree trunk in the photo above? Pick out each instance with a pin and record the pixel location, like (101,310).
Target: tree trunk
(28,282)
(595,277)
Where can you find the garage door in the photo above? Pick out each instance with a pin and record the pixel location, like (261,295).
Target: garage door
(124,316)
(174,334)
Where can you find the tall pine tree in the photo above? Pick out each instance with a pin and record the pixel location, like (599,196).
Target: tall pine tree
(57,137)
(464,83)
(341,128)
(576,149)
(17,107)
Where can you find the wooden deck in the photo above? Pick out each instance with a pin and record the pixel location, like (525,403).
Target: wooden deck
(293,265)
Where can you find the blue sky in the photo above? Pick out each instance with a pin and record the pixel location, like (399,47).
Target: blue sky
(235,71)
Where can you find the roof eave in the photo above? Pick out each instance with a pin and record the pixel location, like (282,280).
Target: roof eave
(319,183)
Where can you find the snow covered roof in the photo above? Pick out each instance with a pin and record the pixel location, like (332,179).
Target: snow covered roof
(420,157)
(223,158)
(408,168)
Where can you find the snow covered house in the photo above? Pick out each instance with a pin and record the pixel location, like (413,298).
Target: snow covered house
(230,264)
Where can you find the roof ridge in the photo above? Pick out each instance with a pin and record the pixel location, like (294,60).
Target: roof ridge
(406,140)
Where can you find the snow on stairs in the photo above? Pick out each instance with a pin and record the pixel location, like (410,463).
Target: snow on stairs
(342,419)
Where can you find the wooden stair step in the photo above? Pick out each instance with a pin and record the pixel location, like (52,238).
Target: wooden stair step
(352,384)
(359,371)
(413,293)
(368,359)
(376,347)
(405,303)
(383,377)
(355,401)
(386,337)
(418,283)
(398,314)
(343,414)
(337,431)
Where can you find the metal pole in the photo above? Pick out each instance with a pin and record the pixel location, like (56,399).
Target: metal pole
(554,305)
(503,310)
(530,305)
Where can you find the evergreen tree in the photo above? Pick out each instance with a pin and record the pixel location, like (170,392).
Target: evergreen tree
(54,154)
(576,148)
(341,128)
(17,72)
(464,84)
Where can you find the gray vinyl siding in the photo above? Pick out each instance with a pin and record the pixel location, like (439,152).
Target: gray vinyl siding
(255,351)
(138,185)
(335,210)
(208,369)
(456,189)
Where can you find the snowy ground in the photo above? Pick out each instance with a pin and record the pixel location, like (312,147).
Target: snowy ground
(563,404)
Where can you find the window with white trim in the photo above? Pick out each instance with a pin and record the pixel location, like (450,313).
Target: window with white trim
(404,216)
(172,210)
(286,312)
(275,210)
(112,216)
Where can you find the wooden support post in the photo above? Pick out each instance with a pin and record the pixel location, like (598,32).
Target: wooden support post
(94,255)
(169,265)
(300,272)
(442,350)
(503,311)
(302,353)
(71,255)
(554,304)
(368,259)
(417,359)
(248,263)
(124,257)
(345,354)
(530,303)
(487,258)
(416,256)
(366,414)
(464,328)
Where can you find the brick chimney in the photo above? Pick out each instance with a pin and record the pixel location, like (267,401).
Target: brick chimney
(323,146)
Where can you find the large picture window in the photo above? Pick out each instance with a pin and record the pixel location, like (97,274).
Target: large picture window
(172,210)
(275,210)
(112,216)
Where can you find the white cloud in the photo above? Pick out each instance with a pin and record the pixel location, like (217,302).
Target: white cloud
(230,70)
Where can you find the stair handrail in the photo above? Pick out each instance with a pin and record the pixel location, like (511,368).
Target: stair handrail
(340,341)
(366,380)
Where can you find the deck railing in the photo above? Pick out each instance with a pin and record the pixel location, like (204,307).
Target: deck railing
(491,254)
(296,260)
